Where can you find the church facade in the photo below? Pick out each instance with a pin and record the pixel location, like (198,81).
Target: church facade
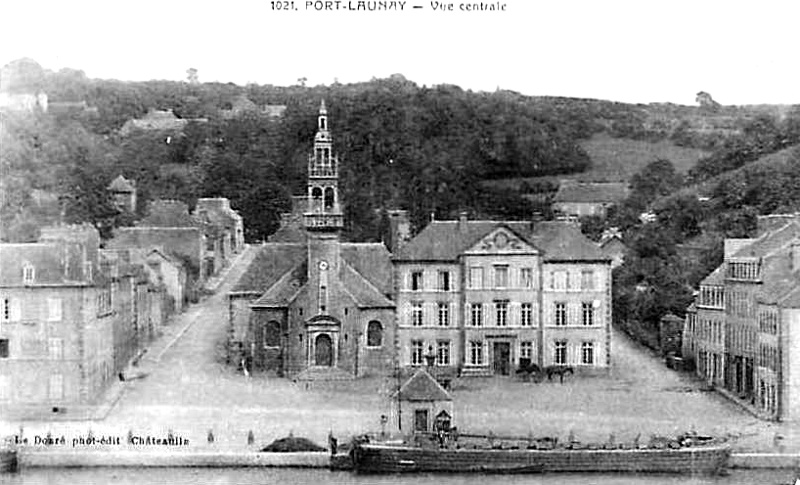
(310,305)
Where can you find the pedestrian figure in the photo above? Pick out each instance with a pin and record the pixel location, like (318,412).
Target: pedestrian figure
(250,437)
(210,436)
(332,443)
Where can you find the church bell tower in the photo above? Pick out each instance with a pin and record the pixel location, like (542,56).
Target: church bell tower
(324,210)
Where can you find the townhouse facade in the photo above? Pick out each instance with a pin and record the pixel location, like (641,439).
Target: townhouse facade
(485,297)
(72,317)
(742,332)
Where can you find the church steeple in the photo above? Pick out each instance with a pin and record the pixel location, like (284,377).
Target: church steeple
(324,210)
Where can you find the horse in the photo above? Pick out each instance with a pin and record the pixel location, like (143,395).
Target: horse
(558,370)
(528,369)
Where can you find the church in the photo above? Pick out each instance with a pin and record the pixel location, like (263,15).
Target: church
(310,305)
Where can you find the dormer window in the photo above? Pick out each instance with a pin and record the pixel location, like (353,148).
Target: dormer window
(28,273)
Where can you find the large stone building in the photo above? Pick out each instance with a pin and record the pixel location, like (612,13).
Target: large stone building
(311,305)
(484,296)
(72,316)
(741,328)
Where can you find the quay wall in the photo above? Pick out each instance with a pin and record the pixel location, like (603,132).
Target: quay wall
(764,460)
(126,458)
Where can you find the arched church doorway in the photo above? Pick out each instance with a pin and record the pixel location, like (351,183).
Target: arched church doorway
(323,350)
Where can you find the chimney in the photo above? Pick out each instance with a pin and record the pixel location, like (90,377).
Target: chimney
(399,229)
(462,222)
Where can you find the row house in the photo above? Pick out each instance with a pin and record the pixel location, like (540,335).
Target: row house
(72,316)
(56,308)
(742,332)
(483,297)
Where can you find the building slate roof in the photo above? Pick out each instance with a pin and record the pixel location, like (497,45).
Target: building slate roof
(592,192)
(285,288)
(770,241)
(716,277)
(53,263)
(168,213)
(121,184)
(423,387)
(446,240)
(278,273)
(364,292)
(269,265)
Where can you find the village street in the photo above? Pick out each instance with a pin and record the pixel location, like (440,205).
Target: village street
(189,390)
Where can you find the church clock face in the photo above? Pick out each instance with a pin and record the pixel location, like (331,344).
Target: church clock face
(323,265)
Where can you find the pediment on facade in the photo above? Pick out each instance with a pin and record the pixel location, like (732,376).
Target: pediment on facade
(502,241)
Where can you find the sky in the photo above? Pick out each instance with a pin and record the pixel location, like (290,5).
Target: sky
(631,51)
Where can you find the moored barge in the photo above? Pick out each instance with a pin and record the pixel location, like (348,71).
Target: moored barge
(709,458)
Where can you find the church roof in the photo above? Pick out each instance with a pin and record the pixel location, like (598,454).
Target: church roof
(423,387)
(364,292)
(279,272)
(284,290)
(446,240)
(271,263)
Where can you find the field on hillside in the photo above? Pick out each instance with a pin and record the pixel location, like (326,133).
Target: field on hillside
(617,159)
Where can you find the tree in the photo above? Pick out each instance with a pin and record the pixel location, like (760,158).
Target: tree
(191,76)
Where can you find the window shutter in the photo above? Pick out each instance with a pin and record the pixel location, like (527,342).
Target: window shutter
(405,317)
(452,315)
(16,310)
(488,319)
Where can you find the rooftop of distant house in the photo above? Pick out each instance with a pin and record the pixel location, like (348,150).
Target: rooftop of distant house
(591,192)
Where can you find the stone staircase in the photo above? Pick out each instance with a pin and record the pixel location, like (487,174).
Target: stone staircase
(324,374)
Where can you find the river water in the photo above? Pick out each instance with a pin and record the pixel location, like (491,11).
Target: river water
(284,476)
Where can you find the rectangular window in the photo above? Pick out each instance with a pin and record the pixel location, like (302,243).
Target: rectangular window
(442,352)
(476,314)
(444,314)
(27,274)
(587,279)
(501,313)
(476,277)
(416,281)
(526,315)
(558,280)
(444,281)
(587,353)
(526,350)
(54,309)
(416,314)
(4,348)
(476,352)
(417,348)
(56,387)
(501,276)
(55,348)
(561,314)
(560,357)
(587,312)
(526,277)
